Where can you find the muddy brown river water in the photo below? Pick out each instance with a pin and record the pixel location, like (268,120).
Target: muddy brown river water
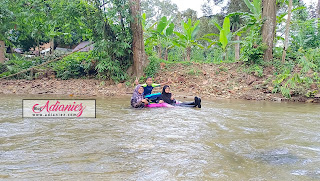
(224,140)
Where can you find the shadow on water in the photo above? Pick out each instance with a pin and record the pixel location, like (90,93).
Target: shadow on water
(276,157)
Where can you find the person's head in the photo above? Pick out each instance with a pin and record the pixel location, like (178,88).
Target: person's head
(139,89)
(149,81)
(166,89)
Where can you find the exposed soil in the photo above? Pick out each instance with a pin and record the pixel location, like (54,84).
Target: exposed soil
(208,81)
(225,81)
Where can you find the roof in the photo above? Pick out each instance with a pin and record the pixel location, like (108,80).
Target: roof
(83,44)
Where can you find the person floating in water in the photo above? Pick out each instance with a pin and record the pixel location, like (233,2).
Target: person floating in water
(138,100)
(166,97)
(149,85)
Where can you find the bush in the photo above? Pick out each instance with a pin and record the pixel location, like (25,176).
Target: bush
(113,60)
(253,49)
(3,68)
(72,66)
(198,55)
(296,77)
(153,66)
(254,54)
(15,65)
(175,54)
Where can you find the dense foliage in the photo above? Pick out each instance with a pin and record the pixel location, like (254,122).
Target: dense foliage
(27,24)
(170,36)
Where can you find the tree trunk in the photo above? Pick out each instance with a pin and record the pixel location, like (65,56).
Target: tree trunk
(318,10)
(139,55)
(38,44)
(237,49)
(286,40)
(269,26)
(226,55)
(51,45)
(318,16)
(188,49)
(159,51)
(166,54)
(2,51)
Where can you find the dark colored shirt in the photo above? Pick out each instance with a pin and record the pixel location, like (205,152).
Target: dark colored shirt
(148,89)
(167,98)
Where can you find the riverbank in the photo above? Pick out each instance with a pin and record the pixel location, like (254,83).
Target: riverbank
(205,80)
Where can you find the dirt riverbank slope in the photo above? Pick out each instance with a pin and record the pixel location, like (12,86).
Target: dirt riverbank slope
(205,80)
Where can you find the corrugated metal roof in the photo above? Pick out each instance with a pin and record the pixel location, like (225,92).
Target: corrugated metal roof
(83,44)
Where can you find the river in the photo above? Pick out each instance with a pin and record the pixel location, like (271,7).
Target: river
(224,140)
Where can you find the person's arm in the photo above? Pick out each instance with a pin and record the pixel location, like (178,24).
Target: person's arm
(155,85)
(160,99)
(165,83)
(172,97)
(136,81)
(145,101)
(135,104)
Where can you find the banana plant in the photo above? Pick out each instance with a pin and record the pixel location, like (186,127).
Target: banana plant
(253,18)
(163,33)
(255,8)
(225,36)
(187,38)
(160,35)
(147,28)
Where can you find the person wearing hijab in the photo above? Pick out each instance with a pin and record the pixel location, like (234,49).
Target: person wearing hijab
(167,97)
(137,99)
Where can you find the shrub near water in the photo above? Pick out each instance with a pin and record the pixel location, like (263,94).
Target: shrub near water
(73,66)
(296,77)
(153,66)
(15,65)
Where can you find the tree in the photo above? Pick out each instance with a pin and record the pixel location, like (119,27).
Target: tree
(224,36)
(206,7)
(2,51)
(161,35)
(286,41)
(207,28)
(189,14)
(235,26)
(269,26)
(318,9)
(318,16)
(6,18)
(237,21)
(139,55)
(303,30)
(156,9)
(187,38)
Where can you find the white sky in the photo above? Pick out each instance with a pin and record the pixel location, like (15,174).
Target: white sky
(196,5)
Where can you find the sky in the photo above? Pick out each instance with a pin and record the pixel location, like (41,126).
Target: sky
(196,5)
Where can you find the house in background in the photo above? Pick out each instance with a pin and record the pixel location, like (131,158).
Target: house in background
(63,49)
(83,44)
(44,49)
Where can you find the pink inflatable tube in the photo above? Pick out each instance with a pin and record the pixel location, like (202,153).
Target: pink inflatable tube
(159,105)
